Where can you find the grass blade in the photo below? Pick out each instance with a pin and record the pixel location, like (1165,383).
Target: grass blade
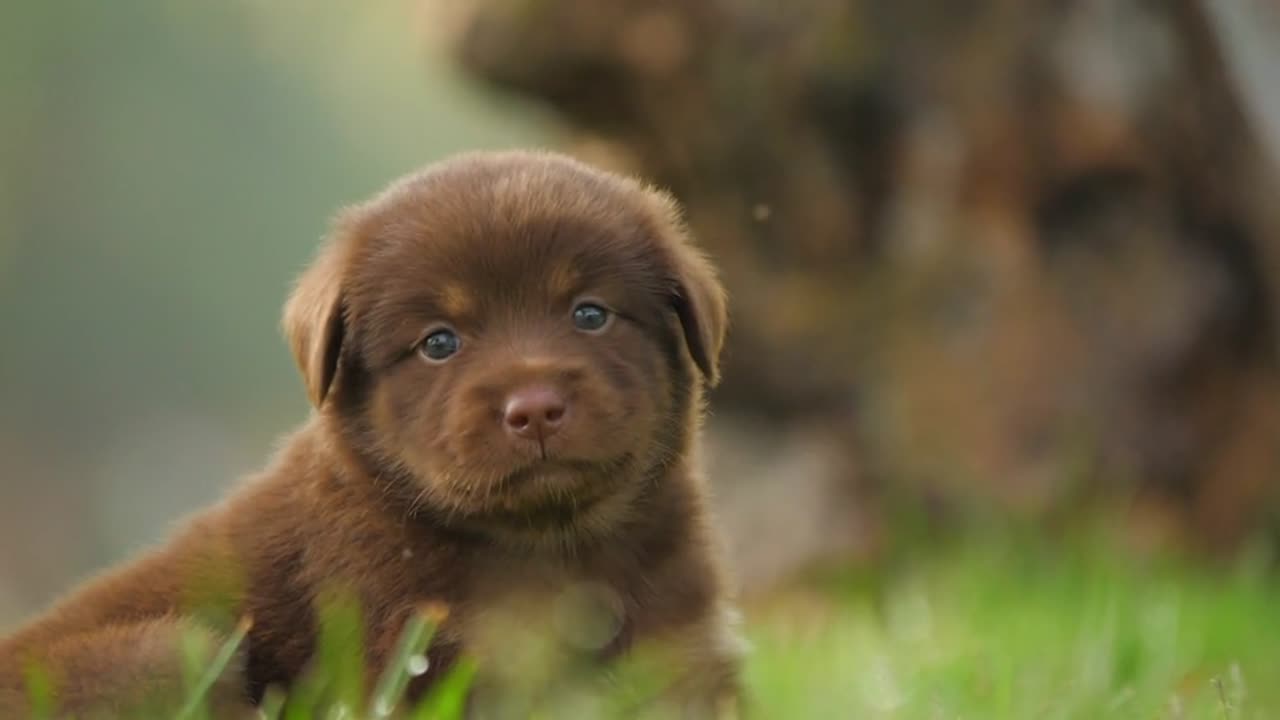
(40,691)
(447,700)
(405,661)
(194,706)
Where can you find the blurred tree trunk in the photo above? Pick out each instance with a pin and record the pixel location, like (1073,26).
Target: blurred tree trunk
(1010,251)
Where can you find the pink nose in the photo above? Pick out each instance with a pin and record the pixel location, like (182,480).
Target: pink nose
(535,412)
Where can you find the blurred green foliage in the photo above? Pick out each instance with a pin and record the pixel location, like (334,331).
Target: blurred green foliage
(1008,625)
(999,626)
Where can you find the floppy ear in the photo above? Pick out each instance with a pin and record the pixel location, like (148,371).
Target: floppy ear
(701,307)
(696,295)
(313,321)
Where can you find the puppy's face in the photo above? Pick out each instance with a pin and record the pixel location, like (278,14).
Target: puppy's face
(515,336)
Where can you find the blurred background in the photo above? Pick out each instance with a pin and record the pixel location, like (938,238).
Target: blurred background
(993,263)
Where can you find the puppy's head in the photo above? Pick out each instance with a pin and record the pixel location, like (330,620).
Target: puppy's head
(515,336)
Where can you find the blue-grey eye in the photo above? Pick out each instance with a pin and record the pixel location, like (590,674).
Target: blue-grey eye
(590,317)
(439,345)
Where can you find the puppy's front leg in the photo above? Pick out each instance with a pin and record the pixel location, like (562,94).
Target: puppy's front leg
(697,666)
(713,652)
(125,670)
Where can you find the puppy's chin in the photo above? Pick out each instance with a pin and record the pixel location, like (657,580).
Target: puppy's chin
(553,496)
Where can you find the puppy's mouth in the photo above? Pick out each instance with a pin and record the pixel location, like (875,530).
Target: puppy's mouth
(565,474)
(555,492)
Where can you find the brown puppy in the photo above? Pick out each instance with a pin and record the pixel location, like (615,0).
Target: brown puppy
(507,354)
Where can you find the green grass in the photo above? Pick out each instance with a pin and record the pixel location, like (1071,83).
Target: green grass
(1002,628)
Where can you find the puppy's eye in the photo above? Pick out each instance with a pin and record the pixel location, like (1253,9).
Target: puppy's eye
(439,345)
(590,317)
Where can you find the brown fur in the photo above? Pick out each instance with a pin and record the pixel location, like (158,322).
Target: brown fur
(404,488)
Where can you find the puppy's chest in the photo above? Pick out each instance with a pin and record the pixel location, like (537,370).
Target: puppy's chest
(507,615)
(541,612)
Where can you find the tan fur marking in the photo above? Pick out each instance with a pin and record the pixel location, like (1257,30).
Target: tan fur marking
(456,301)
(563,280)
